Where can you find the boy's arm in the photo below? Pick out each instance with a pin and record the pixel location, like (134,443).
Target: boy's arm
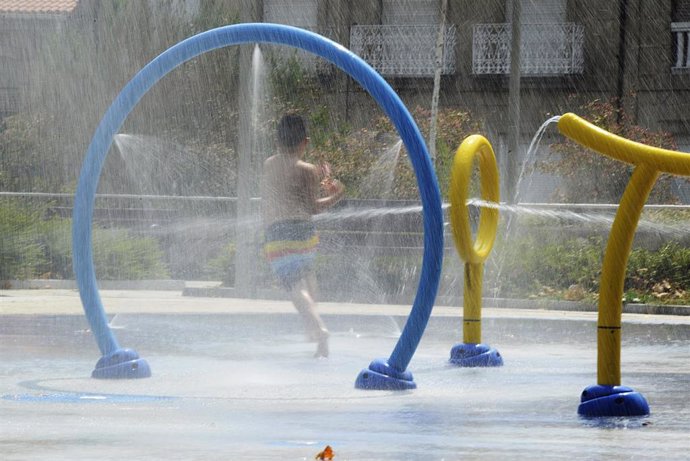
(336,191)
(313,187)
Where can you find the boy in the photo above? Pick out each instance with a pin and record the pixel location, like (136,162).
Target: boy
(291,194)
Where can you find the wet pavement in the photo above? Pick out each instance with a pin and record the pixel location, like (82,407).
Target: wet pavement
(235,379)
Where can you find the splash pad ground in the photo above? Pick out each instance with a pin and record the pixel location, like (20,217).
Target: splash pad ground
(234,379)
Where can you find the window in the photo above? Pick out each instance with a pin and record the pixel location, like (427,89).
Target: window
(548,44)
(404,44)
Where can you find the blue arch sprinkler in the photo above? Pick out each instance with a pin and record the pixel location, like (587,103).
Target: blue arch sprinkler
(117,362)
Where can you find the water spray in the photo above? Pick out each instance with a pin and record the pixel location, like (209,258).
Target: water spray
(117,362)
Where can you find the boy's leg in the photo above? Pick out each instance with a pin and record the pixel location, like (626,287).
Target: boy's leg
(306,305)
(313,287)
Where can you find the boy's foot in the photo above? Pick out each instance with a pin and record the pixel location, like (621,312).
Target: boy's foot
(322,344)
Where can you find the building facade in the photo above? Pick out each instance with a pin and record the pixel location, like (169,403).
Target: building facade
(23,24)
(572,51)
(633,52)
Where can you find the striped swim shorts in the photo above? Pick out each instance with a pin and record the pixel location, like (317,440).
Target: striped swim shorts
(290,248)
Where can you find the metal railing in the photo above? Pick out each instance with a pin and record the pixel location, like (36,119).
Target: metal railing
(403,50)
(359,233)
(681,35)
(545,49)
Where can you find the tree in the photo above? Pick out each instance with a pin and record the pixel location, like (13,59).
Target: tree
(356,154)
(75,72)
(587,176)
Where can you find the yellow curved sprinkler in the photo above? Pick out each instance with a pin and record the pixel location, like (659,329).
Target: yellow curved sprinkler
(471,353)
(608,397)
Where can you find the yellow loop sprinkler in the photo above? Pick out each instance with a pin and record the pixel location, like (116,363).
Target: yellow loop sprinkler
(608,397)
(471,353)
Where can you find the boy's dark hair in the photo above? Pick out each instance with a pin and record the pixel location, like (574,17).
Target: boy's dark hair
(291,131)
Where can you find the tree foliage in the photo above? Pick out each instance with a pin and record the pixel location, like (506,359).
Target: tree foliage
(23,165)
(21,256)
(590,177)
(363,160)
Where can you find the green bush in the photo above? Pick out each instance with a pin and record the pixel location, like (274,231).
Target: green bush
(571,269)
(661,275)
(32,247)
(21,256)
(530,267)
(117,254)
(222,267)
(120,256)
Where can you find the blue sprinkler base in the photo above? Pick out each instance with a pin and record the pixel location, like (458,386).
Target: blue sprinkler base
(121,364)
(381,376)
(601,401)
(475,355)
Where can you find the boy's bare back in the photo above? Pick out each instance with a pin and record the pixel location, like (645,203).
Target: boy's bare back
(290,189)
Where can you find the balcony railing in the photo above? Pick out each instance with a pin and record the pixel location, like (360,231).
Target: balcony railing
(681,35)
(545,49)
(403,50)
